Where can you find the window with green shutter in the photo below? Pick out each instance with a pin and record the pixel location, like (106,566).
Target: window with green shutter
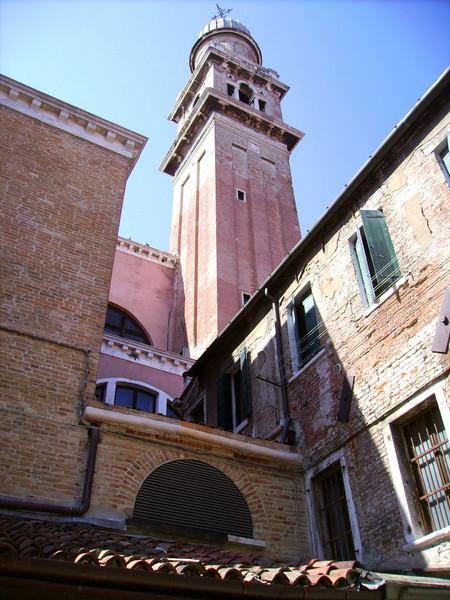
(444,157)
(234,405)
(308,327)
(374,256)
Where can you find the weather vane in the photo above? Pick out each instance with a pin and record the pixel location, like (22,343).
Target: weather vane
(222,12)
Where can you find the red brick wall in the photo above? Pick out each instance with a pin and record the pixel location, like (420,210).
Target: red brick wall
(60,204)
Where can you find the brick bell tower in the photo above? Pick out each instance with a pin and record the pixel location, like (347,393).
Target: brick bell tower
(234,215)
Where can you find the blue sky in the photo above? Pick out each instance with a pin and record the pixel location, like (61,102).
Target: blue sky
(354,68)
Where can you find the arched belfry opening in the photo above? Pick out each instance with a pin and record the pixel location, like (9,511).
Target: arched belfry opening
(195,495)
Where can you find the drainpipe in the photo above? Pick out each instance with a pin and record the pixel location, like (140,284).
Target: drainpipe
(281,371)
(83,504)
(74,510)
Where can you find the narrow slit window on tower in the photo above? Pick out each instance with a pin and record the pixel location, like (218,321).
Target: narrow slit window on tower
(240,195)
(230,89)
(262,105)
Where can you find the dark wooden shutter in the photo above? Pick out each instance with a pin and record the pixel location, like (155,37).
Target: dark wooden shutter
(442,333)
(346,398)
(380,246)
(195,495)
(245,382)
(224,407)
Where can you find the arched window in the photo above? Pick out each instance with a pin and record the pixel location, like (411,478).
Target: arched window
(246,94)
(193,494)
(121,324)
(132,396)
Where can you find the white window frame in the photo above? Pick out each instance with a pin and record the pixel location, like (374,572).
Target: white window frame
(414,536)
(237,195)
(314,526)
(297,367)
(110,392)
(366,292)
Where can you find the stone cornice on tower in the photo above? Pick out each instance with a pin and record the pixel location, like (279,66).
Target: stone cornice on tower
(249,70)
(71,119)
(213,101)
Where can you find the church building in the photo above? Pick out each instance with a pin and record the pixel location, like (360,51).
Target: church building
(252,413)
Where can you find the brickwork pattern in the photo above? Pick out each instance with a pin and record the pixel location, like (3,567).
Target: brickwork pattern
(60,205)
(275,496)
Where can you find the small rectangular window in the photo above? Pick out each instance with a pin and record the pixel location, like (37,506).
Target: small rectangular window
(136,398)
(307,327)
(334,521)
(374,256)
(240,195)
(245,298)
(234,399)
(230,89)
(262,105)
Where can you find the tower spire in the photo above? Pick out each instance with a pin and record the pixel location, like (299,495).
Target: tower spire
(234,214)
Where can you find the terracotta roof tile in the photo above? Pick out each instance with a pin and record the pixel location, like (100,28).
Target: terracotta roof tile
(91,545)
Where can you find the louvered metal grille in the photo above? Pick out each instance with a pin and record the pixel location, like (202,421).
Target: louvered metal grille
(190,493)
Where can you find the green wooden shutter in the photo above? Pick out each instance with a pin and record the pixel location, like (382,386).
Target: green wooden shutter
(364,271)
(224,407)
(245,382)
(381,250)
(445,155)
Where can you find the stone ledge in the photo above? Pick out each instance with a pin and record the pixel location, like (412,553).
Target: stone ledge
(146,252)
(144,354)
(71,119)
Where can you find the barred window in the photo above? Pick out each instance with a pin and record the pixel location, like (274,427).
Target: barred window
(428,452)
(335,528)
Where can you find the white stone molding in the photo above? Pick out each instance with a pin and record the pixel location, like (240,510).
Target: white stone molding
(249,447)
(143,354)
(111,383)
(146,252)
(71,119)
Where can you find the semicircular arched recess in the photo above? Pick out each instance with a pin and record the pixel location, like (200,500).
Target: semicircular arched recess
(194,494)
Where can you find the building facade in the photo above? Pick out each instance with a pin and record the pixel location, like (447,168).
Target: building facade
(314,417)
(345,354)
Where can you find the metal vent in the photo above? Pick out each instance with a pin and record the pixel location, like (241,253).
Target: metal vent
(191,493)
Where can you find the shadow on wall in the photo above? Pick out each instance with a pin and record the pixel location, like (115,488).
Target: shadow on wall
(177,340)
(352,505)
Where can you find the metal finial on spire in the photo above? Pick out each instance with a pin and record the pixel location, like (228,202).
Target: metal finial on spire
(221,12)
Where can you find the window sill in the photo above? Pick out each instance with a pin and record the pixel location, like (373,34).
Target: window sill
(387,294)
(306,365)
(243,541)
(429,540)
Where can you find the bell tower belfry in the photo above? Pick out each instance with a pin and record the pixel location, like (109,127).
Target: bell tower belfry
(234,215)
